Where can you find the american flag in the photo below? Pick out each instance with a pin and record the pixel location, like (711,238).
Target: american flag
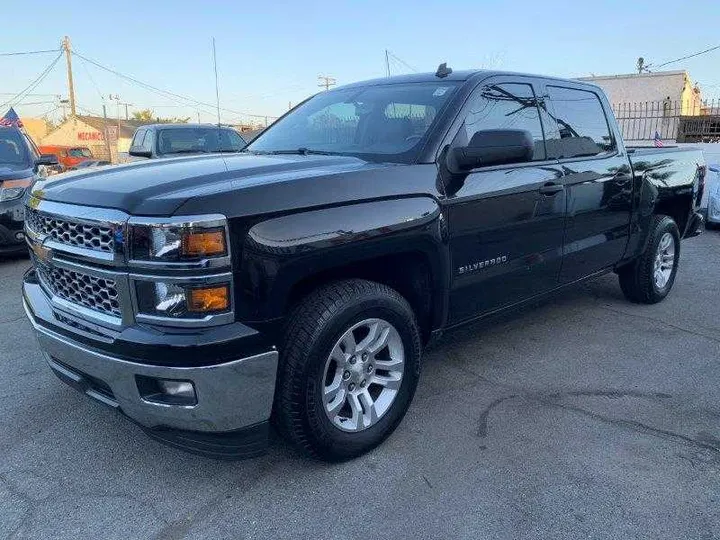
(11,119)
(658,142)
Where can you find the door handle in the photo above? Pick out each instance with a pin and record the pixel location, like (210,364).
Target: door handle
(551,188)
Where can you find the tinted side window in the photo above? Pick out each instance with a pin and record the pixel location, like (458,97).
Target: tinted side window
(505,106)
(147,142)
(230,140)
(583,127)
(138,138)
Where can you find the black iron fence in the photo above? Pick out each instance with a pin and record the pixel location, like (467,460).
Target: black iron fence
(680,121)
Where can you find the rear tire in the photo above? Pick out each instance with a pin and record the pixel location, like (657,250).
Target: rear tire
(651,277)
(341,389)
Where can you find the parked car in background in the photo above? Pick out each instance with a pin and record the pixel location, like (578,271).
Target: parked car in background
(301,278)
(21,164)
(713,202)
(68,156)
(171,140)
(88,164)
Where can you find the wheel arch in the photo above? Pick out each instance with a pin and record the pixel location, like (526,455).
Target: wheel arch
(395,242)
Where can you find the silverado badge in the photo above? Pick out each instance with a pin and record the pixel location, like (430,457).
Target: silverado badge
(479,265)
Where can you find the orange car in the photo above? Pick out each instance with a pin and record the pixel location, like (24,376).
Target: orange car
(68,156)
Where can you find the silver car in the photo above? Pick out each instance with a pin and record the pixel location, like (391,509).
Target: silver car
(713,200)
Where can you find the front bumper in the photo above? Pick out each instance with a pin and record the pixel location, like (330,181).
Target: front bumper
(234,398)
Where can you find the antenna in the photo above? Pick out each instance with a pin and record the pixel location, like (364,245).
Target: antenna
(443,71)
(217,88)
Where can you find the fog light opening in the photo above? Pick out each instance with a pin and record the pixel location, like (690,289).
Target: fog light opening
(166,391)
(19,236)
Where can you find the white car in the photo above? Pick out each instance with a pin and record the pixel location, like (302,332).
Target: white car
(713,190)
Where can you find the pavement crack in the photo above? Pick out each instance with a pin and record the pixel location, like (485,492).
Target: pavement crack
(660,321)
(16,319)
(482,429)
(703,441)
(705,444)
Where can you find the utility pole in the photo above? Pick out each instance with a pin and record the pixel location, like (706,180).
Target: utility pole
(71,87)
(641,65)
(127,116)
(387,62)
(217,87)
(326,82)
(107,135)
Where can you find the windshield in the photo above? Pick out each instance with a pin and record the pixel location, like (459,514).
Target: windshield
(12,147)
(79,152)
(378,123)
(198,140)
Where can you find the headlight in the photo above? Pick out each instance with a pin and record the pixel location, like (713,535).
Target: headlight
(182,301)
(14,189)
(201,238)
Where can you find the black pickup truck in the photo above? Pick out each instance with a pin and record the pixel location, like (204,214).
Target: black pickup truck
(21,164)
(299,280)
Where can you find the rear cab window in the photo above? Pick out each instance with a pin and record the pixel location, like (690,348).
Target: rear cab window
(582,126)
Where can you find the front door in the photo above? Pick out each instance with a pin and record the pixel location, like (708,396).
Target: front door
(505,222)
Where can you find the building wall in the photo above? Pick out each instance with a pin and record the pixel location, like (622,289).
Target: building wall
(36,128)
(74,132)
(636,88)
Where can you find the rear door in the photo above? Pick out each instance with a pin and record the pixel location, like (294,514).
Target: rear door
(505,222)
(597,179)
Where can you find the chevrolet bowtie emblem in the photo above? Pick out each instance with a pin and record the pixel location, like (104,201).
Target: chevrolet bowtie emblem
(42,253)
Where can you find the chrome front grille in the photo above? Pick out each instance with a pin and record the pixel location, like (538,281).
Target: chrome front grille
(99,294)
(71,233)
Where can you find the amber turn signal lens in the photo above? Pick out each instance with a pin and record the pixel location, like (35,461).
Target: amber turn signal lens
(21,183)
(209,300)
(198,244)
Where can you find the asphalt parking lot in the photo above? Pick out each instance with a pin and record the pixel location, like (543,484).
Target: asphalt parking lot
(585,417)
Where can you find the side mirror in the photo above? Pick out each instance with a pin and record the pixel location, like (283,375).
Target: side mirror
(139,151)
(495,147)
(47,159)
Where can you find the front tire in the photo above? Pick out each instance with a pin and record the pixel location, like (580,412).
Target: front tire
(349,368)
(649,279)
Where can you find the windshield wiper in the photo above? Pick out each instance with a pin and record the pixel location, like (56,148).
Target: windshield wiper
(302,151)
(187,151)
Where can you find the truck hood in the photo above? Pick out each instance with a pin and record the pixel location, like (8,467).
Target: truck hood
(162,187)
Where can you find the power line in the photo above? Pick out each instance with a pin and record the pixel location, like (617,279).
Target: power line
(87,71)
(688,56)
(23,53)
(166,93)
(402,61)
(20,96)
(326,82)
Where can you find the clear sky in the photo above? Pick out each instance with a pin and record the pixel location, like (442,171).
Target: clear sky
(271,53)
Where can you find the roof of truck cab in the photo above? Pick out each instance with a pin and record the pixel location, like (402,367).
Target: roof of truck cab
(183,126)
(459,76)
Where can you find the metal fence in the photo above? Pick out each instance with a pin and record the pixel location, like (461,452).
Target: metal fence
(679,121)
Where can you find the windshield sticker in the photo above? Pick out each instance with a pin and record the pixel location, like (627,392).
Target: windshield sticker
(440,91)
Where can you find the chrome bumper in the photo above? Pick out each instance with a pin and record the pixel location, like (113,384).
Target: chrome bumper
(230,396)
